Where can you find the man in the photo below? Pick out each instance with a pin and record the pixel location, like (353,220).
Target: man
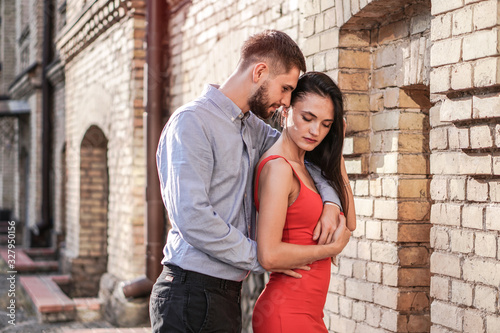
(206,158)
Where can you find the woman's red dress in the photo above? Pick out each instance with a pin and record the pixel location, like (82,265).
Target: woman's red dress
(289,304)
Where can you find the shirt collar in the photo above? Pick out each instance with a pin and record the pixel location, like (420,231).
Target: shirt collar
(226,105)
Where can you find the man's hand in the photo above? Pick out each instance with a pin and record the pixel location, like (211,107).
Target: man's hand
(293,273)
(327,224)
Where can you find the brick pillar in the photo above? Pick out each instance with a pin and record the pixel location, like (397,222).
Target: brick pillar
(465,163)
(382,65)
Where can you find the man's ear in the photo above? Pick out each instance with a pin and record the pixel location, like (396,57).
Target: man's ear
(260,71)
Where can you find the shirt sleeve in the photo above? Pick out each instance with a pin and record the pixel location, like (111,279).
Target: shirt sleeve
(327,192)
(185,164)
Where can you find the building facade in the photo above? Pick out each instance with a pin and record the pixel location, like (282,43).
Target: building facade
(421,83)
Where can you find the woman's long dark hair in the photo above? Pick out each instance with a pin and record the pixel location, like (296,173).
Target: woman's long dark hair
(327,155)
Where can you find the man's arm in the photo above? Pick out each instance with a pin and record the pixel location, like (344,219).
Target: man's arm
(185,165)
(330,217)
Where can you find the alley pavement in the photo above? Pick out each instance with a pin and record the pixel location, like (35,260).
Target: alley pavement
(26,320)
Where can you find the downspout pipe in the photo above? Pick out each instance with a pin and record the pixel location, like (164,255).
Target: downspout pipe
(155,221)
(45,222)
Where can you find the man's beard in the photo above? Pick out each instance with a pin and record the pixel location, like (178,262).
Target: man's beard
(259,102)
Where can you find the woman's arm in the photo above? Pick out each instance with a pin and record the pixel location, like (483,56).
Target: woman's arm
(275,185)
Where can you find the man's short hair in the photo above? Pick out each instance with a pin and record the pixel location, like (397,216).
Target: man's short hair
(275,48)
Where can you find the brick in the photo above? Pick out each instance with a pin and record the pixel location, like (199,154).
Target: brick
(457,189)
(362,291)
(439,7)
(414,277)
(480,137)
(458,138)
(482,271)
(390,275)
(376,102)
(354,59)
(385,56)
(373,315)
(332,303)
(445,214)
(359,38)
(353,81)
(485,15)
(337,284)
(438,138)
(473,321)
(486,107)
(441,26)
(411,164)
(389,321)
(353,165)
(461,292)
(376,187)
(358,311)
(472,217)
(485,245)
(393,31)
(389,187)
(445,264)
(492,220)
(415,301)
(493,324)
(440,287)
(480,44)
(390,231)
(374,274)
(461,76)
(311,46)
(362,187)
(452,110)
(345,306)
(497,135)
(374,230)
(364,251)
(462,21)
(446,52)
(413,188)
(440,79)
(486,72)
(384,252)
(439,238)
(495,191)
(447,315)
(384,164)
(356,102)
(462,241)
(386,209)
(496,165)
(485,298)
(329,40)
(439,188)
(477,190)
(475,165)
(419,323)
(386,296)
(384,77)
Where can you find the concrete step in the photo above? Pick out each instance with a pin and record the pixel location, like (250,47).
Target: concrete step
(52,305)
(49,302)
(24,263)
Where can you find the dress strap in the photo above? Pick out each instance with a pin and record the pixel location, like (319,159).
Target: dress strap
(257,176)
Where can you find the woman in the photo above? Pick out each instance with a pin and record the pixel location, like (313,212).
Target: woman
(289,208)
